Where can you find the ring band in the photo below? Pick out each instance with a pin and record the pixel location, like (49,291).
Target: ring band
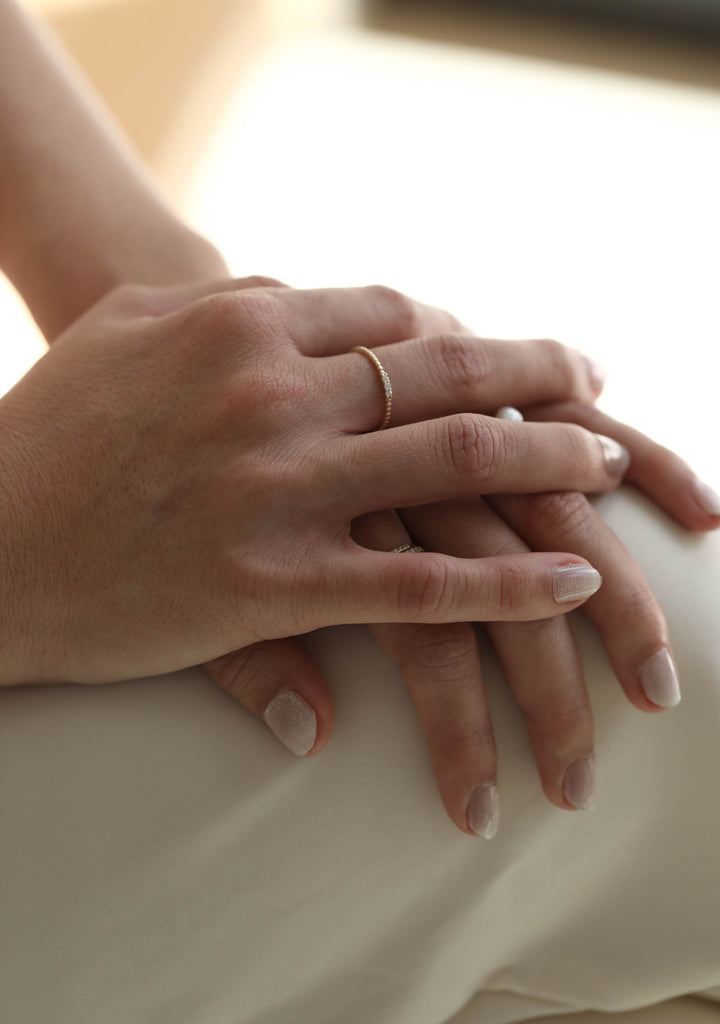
(384,381)
(402,548)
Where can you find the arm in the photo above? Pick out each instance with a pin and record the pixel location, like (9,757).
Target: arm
(78,213)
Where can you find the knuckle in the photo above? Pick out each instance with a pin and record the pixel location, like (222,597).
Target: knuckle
(453,739)
(425,589)
(563,724)
(507,590)
(402,309)
(258,281)
(464,363)
(253,313)
(640,605)
(561,364)
(472,447)
(127,300)
(444,648)
(242,673)
(511,586)
(560,510)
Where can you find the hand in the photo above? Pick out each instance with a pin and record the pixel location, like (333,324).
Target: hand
(180,474)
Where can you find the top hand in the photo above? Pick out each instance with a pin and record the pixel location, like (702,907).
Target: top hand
(180,474)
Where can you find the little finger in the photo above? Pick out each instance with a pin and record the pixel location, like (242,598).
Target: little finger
(281,685)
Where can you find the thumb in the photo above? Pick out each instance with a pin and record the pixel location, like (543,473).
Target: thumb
(280,684)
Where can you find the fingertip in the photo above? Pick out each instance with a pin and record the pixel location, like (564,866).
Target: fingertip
(597,375)
(293,720)
(483,811)
(576,581)
(707,502)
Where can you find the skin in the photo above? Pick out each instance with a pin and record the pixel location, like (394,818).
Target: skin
(171,491)
(78,218)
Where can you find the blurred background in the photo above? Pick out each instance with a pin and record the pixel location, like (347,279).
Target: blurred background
(542,169)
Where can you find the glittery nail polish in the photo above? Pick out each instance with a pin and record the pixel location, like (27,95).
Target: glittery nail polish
(574,582)
(293,721)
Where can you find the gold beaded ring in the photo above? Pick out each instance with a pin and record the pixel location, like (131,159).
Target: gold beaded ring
(384,381)
(402,548)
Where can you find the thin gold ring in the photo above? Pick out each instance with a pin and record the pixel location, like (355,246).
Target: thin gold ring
(384,381)
(402,548)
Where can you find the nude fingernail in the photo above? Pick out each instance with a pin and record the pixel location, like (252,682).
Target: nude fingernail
(659,679)
(575,582)
(293,721)
(483,812)
(708,499)
(579,784)
(616,455)
(597,373)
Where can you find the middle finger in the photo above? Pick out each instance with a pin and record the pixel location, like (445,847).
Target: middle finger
(469,454)
(540,659)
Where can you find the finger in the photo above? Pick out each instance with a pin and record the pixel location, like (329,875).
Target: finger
(441,669)
(469,454)
(281,685)
(663,476)
(331,320)
(628,617)
(449,373)
(372,586)
(539,658)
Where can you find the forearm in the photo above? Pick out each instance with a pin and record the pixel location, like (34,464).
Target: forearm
(78,214)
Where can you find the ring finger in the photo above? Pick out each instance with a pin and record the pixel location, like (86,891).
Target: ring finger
(435,376)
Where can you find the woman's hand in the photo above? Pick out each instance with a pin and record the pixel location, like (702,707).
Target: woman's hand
(180,479)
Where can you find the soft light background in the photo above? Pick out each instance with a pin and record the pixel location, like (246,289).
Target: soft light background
(532,197)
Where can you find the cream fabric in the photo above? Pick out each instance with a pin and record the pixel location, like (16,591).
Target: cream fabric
(164,859)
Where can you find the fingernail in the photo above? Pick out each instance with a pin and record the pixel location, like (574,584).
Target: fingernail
(575,582)
(706,496)
(616,456)
(579,784)
(293,721)
(659,679)
(483,812)
(597,373)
